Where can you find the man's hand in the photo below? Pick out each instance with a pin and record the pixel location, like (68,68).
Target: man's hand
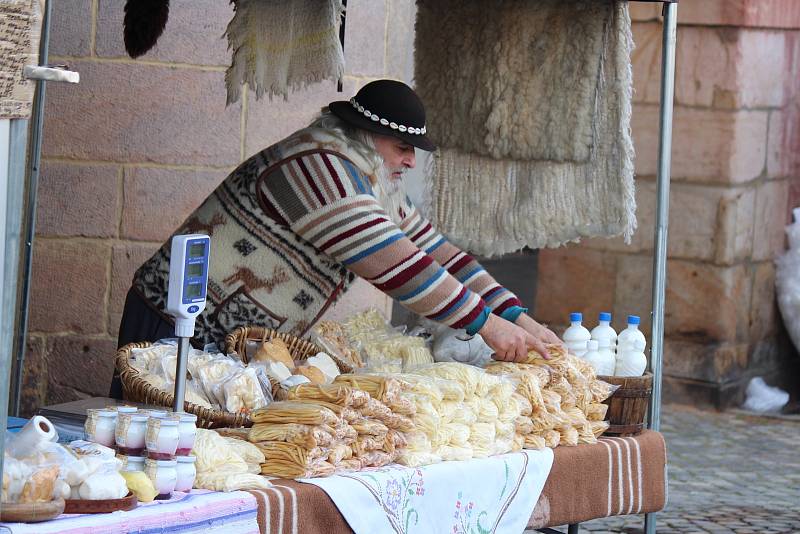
(509,341)
(541,333)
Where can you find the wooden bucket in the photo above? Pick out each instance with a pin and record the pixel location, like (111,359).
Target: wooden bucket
(627,407)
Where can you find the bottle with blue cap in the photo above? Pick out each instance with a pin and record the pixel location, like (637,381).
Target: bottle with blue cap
(604,331)
(628,337)
(576,336)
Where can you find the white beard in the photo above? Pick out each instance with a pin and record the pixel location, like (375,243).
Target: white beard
(390,192)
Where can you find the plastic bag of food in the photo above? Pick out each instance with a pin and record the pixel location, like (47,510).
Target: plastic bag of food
(295,412)
(455,452)
(376,458)
(552,438)
(535,442)
(307,436)
(599,427)
(569,436)
(602,390)
(242,392)
(523,425)
(370,427)
(457,346)
(339,452)
(331,337)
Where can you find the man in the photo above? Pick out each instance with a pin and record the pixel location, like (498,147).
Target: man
(293,225)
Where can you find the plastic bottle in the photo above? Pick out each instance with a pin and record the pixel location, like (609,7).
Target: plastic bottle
(607,356)
(604,331)
(576,336)
(632,361)
(627,338)
(601,359)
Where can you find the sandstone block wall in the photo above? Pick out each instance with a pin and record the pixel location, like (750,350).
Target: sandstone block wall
(130,152)
(735,178)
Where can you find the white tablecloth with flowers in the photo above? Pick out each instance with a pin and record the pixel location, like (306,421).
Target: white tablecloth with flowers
(493,494)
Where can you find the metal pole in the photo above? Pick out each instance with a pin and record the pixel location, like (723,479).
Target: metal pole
(20,343)
(12,193)
(180,374)
(662,220)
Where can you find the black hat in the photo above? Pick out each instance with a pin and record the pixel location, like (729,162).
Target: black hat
(387,107)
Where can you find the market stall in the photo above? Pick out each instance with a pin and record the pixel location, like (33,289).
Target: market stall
(312,411)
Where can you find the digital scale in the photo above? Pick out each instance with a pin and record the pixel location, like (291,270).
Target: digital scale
(186,298)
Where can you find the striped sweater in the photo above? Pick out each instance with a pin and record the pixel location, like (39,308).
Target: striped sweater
(293,224)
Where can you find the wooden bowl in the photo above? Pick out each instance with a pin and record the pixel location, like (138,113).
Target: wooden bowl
(33,512)
(84,506)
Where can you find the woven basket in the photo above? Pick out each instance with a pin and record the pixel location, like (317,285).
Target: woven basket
(135,389)
(627,407)
(300,349)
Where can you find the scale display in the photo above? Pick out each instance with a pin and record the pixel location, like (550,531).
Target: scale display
(188,279)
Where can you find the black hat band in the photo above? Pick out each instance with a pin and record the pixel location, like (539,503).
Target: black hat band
(393,125)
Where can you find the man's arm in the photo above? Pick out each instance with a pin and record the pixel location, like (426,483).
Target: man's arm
(469,272)
(459,264)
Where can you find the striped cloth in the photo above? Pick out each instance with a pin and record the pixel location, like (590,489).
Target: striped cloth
(200,511)
(616,476)
(328,202)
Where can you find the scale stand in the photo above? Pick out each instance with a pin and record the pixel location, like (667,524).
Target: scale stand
(186,299)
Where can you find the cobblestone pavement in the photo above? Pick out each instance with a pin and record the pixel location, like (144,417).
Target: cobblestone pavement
(728,473)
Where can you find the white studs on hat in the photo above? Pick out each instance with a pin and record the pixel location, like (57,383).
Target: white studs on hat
(393,125)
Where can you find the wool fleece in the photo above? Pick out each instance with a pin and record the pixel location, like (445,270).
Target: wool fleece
(530,104)
(279,46)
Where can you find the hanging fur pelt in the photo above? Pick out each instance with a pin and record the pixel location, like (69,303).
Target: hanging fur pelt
(530,105)
(144,23)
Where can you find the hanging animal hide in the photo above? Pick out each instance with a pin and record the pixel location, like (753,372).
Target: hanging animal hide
(283,45)
(530,103)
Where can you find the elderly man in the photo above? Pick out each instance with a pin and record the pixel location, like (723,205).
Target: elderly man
(294,225)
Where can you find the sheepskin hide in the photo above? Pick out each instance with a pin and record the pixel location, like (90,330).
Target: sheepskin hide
(283,45)
(529,102)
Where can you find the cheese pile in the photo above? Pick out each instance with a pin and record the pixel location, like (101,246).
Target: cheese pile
(565,398)
(382,348)
(325,428)
(462,412)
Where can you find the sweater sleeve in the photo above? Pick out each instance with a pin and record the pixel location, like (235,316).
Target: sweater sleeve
(326,200)
(459,264)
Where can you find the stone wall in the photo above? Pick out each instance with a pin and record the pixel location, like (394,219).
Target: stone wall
(131,151)
(735,176)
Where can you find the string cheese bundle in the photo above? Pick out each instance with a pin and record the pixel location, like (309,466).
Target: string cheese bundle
(482,438)
(565,397)
(415,356)
(332,337)
(296,412)
(381,387)
(305,436)
(287,460)
(339,394)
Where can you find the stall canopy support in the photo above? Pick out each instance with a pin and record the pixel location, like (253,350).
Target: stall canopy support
(668,45)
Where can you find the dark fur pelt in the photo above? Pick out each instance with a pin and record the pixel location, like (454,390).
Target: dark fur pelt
(145,21)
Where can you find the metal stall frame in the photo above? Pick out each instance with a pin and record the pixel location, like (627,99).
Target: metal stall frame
(11,237)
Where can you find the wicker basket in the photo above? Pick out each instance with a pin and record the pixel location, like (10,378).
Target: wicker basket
(627,407)
(136,389)
(300,349)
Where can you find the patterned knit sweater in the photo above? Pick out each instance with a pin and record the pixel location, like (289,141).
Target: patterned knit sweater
(294,224)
